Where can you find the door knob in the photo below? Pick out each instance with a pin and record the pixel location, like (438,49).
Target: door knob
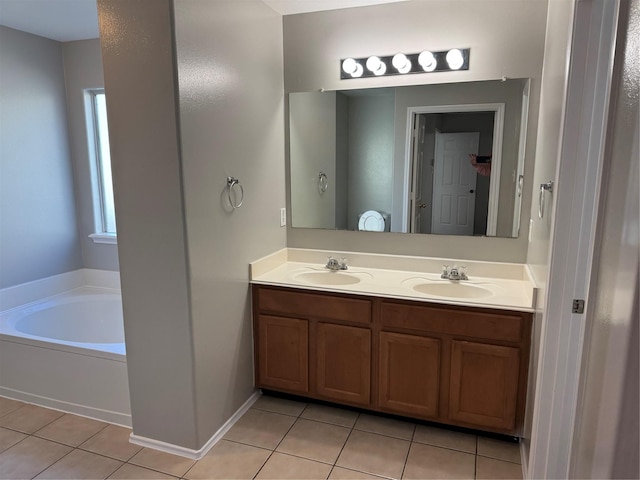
(423,205)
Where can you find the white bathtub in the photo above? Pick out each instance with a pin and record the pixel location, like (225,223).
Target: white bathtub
(66,351)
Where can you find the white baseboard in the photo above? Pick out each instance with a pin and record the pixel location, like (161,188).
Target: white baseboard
(108,416)
(201,452)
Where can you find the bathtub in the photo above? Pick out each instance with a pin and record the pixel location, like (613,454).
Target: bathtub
(66,350)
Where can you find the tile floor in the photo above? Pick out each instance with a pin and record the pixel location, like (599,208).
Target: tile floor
(275,439)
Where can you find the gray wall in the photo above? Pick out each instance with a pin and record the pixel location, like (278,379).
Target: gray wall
(38,229)
(371,138)
(510,43)
(232,123)
(186,110)
(147,175)
(313,148)
(83,70)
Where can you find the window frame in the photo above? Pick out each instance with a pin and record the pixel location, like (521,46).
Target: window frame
(101,211)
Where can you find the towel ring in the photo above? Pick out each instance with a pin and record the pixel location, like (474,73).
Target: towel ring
(323,182)
(231,183)
(548,187)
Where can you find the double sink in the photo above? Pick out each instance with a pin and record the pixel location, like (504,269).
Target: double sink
(427,285)
(492,285)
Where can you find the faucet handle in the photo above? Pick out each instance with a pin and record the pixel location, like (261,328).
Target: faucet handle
(343,264)
(463,272)
(445,271)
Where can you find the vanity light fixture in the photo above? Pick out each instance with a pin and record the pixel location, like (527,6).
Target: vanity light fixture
(403,63)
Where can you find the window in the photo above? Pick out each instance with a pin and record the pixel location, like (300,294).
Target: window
(98,132)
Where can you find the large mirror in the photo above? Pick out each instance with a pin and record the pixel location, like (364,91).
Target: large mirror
(437,159)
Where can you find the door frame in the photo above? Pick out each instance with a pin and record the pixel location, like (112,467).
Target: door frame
(573,248)
(496,156)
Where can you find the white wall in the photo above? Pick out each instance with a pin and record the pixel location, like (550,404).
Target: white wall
(38,229)
(83,70)
(229,59)
(506,38)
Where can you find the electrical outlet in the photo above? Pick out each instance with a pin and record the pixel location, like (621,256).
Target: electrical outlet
(283,217)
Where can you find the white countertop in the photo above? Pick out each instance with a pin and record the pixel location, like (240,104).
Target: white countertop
(509,287)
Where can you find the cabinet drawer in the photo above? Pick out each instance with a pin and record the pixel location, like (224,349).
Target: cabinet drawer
(493,326)
(315,305)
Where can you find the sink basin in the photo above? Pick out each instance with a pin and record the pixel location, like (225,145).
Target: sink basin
(453,290)
(327,277)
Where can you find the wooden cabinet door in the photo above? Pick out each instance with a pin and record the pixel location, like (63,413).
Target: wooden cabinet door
(484,384)
(343,364)
(283,353)
(409,375)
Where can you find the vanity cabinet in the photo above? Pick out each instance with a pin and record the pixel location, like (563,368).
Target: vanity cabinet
(313,344)
(463,366)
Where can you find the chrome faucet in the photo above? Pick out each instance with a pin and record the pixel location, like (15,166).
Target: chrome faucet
(334,265)
(454,273)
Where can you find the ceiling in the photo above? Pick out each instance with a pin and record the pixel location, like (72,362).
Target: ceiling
(67,20)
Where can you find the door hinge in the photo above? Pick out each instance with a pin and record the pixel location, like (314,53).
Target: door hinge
(578,306)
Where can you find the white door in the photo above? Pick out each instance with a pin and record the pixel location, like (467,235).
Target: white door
(418,205)
(454,184)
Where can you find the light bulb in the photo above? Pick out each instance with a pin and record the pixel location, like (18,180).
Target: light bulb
(427,61)
(358,71)
(401,63)
(349,66)
(455,59)
(375,65)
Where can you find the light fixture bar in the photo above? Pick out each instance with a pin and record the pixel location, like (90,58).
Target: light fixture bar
(427,61)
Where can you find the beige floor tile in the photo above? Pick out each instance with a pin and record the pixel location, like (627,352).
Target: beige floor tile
(112,442)
(134,472)
(314,440)
(162,462)
(374,454)
(7,405)
(426,462)
(499,449)
(280,466)
(337,416)
(339,473)
(279,405)
(441,437)
(260,429)
(71,430)
(81,464)
(229,460)
(8,438)
(29,418)
(30,457)
(490,468)
(385,426)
